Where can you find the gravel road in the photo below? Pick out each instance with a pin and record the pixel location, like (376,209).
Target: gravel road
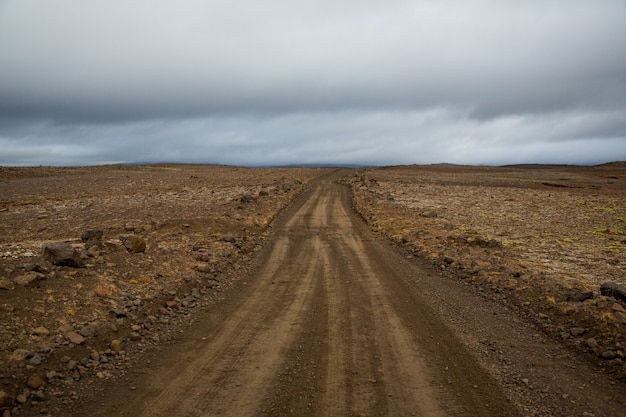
(333,322)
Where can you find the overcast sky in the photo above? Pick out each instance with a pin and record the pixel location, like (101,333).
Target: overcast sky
(254,82)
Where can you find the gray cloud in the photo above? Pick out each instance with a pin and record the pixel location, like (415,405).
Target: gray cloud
(479,81)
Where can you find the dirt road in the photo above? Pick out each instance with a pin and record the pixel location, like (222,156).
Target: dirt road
(329,324)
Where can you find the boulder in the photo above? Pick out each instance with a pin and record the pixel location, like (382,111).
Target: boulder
(62,254)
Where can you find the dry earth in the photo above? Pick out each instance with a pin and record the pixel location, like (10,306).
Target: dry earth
(533,243)
(63,325)
(539,239)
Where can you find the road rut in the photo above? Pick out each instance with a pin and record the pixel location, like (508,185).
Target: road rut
(328,325)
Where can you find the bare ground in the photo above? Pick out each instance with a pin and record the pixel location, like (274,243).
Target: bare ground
(315,316)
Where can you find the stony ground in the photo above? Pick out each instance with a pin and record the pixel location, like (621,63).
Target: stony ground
(539,239)
(146,245)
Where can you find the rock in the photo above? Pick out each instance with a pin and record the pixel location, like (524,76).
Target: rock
(577,331)
(29,279)
(95,355)
(21,399)
(40,331)
(228,238)
(134,244)
(62,254)
(38,396)
(88,331)
(6,284)
(618,307)
(619,316)
(4,398)
(429,213)
(579,296)
(608,354)
(19,355)
(203,267)
(91,234)
(611,289)
(116,312)
(35,381)
(247,198)
(75,338)
(117,345)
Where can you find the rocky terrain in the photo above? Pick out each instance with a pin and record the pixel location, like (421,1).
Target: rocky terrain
(100,264)
(546,241)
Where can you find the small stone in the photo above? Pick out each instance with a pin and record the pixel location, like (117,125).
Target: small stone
(608,354)
(41,331)
(577,331)
(592,343)
(39,396)
(4,398)
(35,381)
(90,234)
(134,336)
(618,307)
(19,354)
(228,237)
(21,398)
(95,355)
(88,331)
(6,284)
(429,213)
(117,345)
(134,244)
(75,338)
(203,267)
(29,279)
(247,198)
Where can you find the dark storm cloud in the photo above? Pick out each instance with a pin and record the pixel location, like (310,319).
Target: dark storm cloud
(298,81)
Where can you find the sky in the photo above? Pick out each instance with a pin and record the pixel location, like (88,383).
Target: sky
(274,82)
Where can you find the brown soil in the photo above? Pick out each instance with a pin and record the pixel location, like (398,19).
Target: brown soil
(226,315)
(535,238)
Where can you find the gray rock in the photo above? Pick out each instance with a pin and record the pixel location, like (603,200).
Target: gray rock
(608,354)
(91,234)
(228,238)
(247,198)
(611,289)
(579,296)
(62,254)
(88,331)
(429,213)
